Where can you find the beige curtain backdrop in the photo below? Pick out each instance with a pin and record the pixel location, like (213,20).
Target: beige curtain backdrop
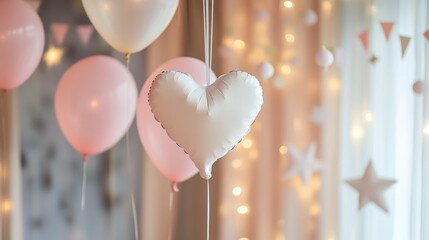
(10,173)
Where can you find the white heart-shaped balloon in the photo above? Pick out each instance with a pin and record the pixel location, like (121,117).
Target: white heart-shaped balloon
(206,121)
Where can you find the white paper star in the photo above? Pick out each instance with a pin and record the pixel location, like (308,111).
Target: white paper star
(371,188)
(304,163)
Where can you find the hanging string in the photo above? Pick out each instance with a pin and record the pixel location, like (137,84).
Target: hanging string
(208,36)
(208,55)
(3,168)
(208,209)
(83,195)
(170,204)
(127,143)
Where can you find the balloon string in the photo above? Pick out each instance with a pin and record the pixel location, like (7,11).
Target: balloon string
(170,222)
(208,36)
(127,143)
(136,227)
(208,209)
(3,169)
(83,195)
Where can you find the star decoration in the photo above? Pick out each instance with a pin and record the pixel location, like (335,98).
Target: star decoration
(303,163)
(373,59)
(371,188)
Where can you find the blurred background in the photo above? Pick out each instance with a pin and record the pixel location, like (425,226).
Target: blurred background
(370,104)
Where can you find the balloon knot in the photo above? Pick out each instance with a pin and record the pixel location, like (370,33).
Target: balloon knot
(85,158)
(127,56)
(174,187)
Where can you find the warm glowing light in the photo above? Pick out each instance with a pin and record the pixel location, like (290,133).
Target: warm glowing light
(297,123)
(426,129)
(237,191)
(247,143)
(290,38)
(243,209)
(94,103)
(315,183)
(314,210)
(280,236)
(6,206)
(106,7)
(368,117)
(283,150)
(373,9)
(327,6)
(239,44)
(357,132)
(253,154)
(244,238)
(236,163)
(288,4)
(334,85)
(53,56)
(286,69)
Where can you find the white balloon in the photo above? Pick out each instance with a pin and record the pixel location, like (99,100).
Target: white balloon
(310,17)
(207,122)
(130,25)
(324,57)
(266,70)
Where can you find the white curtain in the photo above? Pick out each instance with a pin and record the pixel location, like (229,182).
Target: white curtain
(382,119)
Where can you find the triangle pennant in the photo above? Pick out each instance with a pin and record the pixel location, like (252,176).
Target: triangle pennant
(364,39)
(404,44)
(85,32)
(60,31)
(426,34)
(35,4)
(387,29)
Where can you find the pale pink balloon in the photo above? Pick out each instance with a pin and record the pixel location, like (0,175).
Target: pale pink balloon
(95,103)
(169,158)
(22,39)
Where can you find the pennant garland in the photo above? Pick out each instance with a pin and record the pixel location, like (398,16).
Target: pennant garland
(59,31)
(426,34)
(364,39)
(387,29)
(404,44)
(85,32)
(35,4)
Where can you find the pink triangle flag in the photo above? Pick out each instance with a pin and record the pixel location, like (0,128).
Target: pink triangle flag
(85,32)
(387,29)
(404,44)
(364,39)
(35,4)
(60,31)
(426,34)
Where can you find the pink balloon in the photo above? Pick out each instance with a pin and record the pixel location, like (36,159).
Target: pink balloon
(169,158)
(95,103)
(21,43)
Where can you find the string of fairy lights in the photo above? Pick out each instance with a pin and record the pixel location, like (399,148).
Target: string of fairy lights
(278,66)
